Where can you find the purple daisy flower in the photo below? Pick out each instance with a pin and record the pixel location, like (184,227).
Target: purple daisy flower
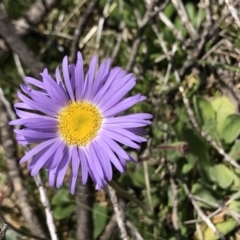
(75,119)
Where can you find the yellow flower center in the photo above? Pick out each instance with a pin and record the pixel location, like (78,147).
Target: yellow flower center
(79,123)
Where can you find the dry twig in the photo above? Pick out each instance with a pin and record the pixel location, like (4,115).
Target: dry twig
(46,204)
(119,214)
(149,14)
(17,45)
(80,27)
(3,231)
(202,215)
(9,146)
(110,228)
(233,12)
(85,200)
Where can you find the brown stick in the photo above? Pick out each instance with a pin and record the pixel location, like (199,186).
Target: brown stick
(84,197)
(33,16)
(80,27)
(8,32)
(9,147)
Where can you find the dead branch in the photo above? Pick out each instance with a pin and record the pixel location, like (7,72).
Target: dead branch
(84,197)
(17,45)
(10,149)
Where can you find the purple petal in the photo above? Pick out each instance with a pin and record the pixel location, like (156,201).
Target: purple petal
(121,139)
(36,105)
(125,124)
(38,156)
(35,134)
(123,105)
(139,131)
(108,151)
(40,97)
(51,177)
(91,166)
(50,165)
(54,90)
(35,82)
(44,158)
(65,69)
(36,122)
(119,151)
(115,73)
(104,161)
(116,93)
(137,117)
(72,184)
(94,162)
(75,161)
(72,71)
(62,167)
(90,77)
(37,149)
(84,165)
(23,141)
(127,134)
(23,106)
(100,76)
(79,77)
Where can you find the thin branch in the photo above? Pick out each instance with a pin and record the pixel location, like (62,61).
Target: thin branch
(101,22)
(202,215)
(80,27)
(9,147)
(134,231)
(17,45)
(120,35)
(3,230)
(85,200)
(119,214)
(233,12)
(174,199)
(47,207)
(149,14)
(7,105)
(147,183)
(179,6)
(18,65)
(110,228)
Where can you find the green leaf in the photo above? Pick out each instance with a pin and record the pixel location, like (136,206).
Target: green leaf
(235,206)
(62,197)
(201,191)
(221,175)
(11,235)
(187,167)
(197,145)
(231,128)
(206,114)
(137,177)
(191,10)
(223,107)
(224,227)
(235,150)
(99,218)
(61,212)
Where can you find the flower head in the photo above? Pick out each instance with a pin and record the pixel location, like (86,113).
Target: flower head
(75,120)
